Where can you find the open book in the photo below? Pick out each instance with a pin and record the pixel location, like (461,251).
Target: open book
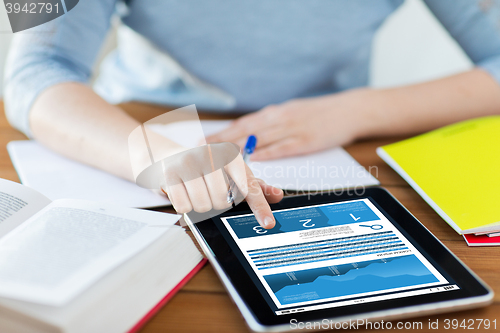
(83,266)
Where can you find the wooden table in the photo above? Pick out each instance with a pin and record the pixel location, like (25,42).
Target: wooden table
(203,305)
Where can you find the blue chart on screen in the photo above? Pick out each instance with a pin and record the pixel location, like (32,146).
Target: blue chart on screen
(349,279)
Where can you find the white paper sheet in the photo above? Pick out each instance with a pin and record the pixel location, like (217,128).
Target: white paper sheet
(58,177)
(327,170)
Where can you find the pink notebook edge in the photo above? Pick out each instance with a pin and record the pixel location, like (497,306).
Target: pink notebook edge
(481,240)
(167,297)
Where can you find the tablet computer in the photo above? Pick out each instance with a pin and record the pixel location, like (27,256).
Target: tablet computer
(335,259)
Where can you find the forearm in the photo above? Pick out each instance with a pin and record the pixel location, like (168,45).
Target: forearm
(73,120)
(422,107)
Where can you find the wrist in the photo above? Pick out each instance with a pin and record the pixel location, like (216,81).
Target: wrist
(376,112)
(145,151)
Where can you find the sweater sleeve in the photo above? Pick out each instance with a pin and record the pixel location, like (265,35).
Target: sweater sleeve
(474,24)
(62,50)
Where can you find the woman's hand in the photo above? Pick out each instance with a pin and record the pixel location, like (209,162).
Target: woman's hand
(304,125)
(196,179)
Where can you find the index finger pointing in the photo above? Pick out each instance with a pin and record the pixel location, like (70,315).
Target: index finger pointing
(251,189)
(258,203)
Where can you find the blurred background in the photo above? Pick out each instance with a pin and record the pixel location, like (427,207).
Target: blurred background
(411,46)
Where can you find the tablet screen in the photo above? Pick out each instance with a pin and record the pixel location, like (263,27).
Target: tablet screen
(332,255)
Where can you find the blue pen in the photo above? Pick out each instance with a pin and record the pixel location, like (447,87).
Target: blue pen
(247,151)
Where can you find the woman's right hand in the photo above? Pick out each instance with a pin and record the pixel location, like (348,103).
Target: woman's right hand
(197,179)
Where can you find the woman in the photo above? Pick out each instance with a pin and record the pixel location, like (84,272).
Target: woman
(302,64)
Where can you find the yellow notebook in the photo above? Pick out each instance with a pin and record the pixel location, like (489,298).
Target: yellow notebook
(456,169)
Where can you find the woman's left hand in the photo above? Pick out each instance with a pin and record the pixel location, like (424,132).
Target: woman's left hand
(303,126)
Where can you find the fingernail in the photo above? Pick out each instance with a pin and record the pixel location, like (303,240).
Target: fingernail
(268,222)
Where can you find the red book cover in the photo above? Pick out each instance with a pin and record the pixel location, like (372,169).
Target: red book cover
(165,299)
(482,240)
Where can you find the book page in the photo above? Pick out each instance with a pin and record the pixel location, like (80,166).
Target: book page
(70,244)
(17,204)
(325,170)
